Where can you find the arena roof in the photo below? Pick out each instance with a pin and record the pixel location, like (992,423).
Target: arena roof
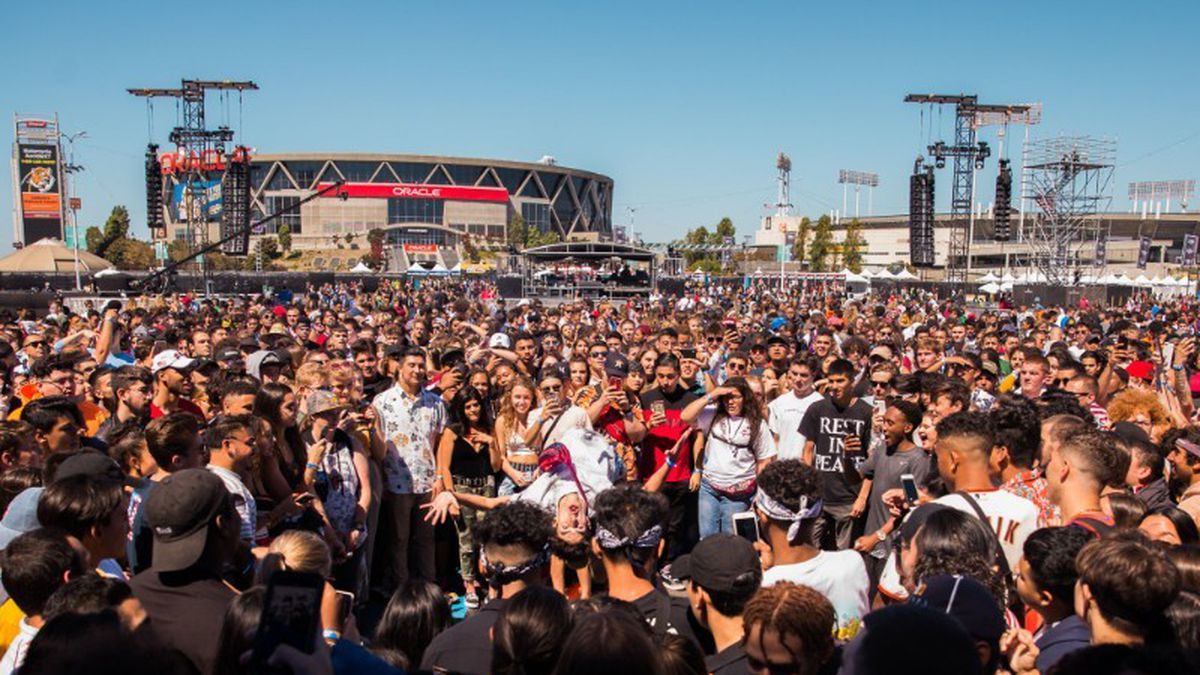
(425,159)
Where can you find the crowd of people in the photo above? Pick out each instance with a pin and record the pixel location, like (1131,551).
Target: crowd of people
(735,480)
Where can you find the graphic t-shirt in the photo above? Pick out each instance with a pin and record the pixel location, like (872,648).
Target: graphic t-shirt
(827,426)
(841,576)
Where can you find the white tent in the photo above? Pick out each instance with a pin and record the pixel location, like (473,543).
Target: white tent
(1008,278)
(905,275)
(458,267)
(989,288)
(851,276)
(51,255)
(1141,281)
(868,274)
(988,278)
(361,268)
(884,274)
(107,272)
(1006,286)
(1183,281)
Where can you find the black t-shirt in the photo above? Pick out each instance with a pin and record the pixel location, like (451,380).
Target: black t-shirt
(375,385)
(186,611)
(467,647)
(827,426)
(728,661)
(679,618)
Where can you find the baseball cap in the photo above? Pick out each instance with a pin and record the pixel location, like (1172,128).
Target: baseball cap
(967,601)
(776,340)
(499,341)
(260,358)
(170,358)
(95,464)
(1142,370)
(21,516)
(616,365)
(179,511)
(721,562)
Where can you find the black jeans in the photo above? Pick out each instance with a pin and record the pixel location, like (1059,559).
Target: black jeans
(406,542)
(683,524)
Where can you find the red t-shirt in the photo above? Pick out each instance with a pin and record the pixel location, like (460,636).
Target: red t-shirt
(660,439)
(184,406)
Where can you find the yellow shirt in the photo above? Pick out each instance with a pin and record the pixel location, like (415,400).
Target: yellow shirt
(10,623)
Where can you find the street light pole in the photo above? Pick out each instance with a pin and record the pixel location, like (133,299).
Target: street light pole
(72,168)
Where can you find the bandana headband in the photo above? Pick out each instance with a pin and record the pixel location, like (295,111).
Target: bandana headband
(609,541)
(499,574)
(776,511)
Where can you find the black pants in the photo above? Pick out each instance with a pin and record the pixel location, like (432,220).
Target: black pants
(835,530)
(406,543)
(683,524)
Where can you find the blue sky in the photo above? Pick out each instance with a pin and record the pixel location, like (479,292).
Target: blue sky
(684,105)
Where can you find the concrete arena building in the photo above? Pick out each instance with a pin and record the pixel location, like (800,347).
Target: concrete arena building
(423,200)
(887,241)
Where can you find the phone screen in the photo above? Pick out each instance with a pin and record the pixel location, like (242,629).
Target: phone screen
(688,353)
(658,408)
(345,604)
(910,487)
(745,525)
(291,614)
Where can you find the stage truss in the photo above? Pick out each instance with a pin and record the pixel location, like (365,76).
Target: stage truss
(1068,179)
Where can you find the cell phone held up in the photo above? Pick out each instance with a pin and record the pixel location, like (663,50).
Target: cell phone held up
(745,525)
(291,616)
(909,483)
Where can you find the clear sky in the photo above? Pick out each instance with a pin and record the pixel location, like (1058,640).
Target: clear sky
(683,104)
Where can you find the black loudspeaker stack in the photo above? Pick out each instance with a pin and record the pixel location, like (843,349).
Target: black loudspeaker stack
(920,218)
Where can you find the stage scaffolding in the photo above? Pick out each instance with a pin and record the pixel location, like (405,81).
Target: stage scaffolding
(1067,179)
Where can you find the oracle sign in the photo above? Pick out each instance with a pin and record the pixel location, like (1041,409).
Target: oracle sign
(416,191)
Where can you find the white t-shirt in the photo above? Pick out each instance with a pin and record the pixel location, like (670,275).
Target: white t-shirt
(840,576)
(243,501)
(1012,518)
(728,457)
(785,413)
(596,465)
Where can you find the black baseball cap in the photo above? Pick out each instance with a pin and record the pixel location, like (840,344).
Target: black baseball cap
(967,601)
(179,510)
(95,464)
(616,365)
(721,562)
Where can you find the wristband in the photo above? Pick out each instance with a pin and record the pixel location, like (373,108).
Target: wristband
(670,463)
(1176,367)
(314,467)
(331,635)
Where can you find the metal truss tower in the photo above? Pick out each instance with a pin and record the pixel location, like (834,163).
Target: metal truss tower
(968,156)
(193,139)
(783,207)
(1067,179)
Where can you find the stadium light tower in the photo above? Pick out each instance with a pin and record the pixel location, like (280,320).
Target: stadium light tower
(858,179)
(1157,195)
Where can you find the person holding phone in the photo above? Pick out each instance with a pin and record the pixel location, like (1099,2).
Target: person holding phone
(661,410)
(617,411)
(738,445)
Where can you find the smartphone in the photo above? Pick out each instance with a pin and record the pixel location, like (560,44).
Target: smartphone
(745,525)
(345,605)
(291,615)
(1168,353)
(658,408)
(616,383)
(909,483)
(688,353)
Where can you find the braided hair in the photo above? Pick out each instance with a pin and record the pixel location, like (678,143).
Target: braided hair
(794,611)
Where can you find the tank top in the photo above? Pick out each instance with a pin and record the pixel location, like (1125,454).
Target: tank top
(467,462)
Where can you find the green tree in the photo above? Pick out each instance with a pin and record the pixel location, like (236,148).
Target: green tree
(376,238)
(131,254)
(724,229)
(93,237)
(523,236)
(115,229)
(822,245)
(853,247)
(285,238)
(802,233)
(177,250)
(269,247)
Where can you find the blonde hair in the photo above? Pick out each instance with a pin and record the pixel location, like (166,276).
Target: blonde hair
(311,375)
(298,551)
(341,372)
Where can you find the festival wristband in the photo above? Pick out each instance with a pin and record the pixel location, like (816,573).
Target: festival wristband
(331,635)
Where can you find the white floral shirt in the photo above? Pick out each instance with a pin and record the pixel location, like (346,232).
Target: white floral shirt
(411,429)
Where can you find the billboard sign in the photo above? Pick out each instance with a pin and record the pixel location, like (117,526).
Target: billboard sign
(416,191)
(1190,244)
(204,201)
(1143,253)
(39,178)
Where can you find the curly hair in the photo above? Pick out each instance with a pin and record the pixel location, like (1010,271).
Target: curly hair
(1129,402)
(1018,428)
(515,524)
(787,480)
(791,610)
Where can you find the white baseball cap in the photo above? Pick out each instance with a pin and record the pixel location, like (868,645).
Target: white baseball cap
(171,358)
(499,341)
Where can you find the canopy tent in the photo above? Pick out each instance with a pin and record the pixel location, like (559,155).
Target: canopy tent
(51,255)
(852,277)
(988,278)
(1142,281)
(904,275)
(990,288)
(108,272)
(361,268)
(1008,278)
(884,274)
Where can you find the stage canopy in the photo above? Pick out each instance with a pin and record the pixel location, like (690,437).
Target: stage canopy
(51,255)
(587,251)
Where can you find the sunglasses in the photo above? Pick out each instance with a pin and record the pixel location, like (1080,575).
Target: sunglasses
(598,355)
(885,383)
(551,388)
(737,366)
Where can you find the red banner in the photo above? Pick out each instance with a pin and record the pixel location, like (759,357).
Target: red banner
(420,248)
(417,191)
